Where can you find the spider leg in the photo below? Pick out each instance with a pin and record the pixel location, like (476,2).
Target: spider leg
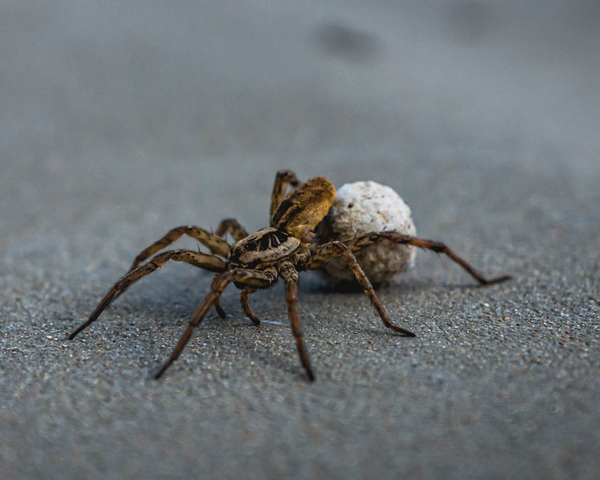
(364,241)
(214,242)
(290,279)
(238,233)
(254,278)
(244,299)
(282,178)
(197,259)
(326,252)
(220,310)
(232,226)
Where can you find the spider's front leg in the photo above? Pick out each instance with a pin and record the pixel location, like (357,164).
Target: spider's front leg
(364,241)
(214,242)
(290,279)
(232,226)
(252,278)
(245,305)
(282,179)
(197,259)
(321,255)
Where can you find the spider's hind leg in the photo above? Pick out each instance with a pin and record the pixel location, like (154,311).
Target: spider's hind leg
(326,252)
(364,241)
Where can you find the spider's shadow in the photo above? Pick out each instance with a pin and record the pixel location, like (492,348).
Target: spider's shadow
(181,305)
(317,285)
(171,311)
(252,351)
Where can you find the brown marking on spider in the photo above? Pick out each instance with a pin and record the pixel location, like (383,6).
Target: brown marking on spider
(258,260)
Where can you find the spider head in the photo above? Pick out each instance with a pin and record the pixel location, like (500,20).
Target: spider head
(302,210)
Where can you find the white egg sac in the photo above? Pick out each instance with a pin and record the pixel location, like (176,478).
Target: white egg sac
(365,207)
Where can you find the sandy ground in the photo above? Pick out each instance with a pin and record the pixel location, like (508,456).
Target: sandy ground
(118,123)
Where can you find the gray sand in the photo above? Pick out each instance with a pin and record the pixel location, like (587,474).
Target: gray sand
(118,123)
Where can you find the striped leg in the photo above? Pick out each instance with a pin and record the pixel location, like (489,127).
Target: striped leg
(244,299)
(326,252)
(215,243)
(253,278)
(282,179)
(232,226)
(197,259)
(364,241)
(290,278)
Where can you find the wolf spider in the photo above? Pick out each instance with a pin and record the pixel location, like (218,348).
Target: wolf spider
(258,260)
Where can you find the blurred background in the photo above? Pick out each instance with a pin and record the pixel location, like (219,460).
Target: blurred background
(217,78)
(342,88)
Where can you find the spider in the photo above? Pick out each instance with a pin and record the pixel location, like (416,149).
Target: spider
(259,260)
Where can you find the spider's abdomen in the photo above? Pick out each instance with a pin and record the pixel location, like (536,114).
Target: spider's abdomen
(262,248)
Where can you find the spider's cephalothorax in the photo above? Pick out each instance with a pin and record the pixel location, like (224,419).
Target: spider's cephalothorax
(259,260)
(292,224)
(261,249)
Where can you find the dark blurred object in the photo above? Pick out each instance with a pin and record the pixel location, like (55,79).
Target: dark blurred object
(346,42)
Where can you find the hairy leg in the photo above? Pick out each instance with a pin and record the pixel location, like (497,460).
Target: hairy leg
(290,278)
(326,252)
(282,179)
(232,226)
(214,242)
(254,278)
(244,299)
(197,259)
(364,241)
